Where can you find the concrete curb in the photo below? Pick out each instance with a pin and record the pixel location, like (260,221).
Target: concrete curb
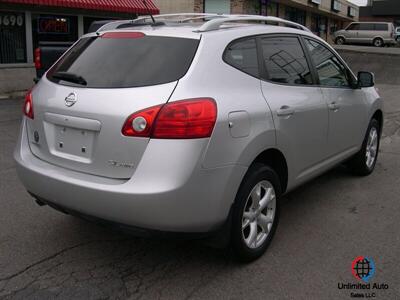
(13,95)
(368,50)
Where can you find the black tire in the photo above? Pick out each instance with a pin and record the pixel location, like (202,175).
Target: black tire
(257,173)
(378,42)
(358,163)
(339,41)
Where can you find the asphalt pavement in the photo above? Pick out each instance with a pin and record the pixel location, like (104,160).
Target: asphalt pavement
(324,225)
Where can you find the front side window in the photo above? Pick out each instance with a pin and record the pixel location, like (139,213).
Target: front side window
(331,72)
(354,26)
(242,55)
(285,61)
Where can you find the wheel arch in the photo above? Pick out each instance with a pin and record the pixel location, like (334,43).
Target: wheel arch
(378,37)
(275,159)
(378,115)
(340,36)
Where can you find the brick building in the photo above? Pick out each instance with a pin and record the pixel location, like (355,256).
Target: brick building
(381,11)
(323,17)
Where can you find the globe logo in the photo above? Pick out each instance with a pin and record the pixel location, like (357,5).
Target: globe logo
(363,268)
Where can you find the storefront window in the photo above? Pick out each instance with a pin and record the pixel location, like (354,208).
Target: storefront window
(295,15)
(319,25)
(12,38)
(272,9)
(334,26)
(54,28)
(87,21)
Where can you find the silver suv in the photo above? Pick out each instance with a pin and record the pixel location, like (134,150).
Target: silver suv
(378,34)
(194,127)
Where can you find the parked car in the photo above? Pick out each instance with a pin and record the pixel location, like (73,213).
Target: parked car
(398,34)
(195,128)
(378,34)
(47,53)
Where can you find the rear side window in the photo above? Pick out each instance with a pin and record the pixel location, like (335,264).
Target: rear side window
(242,55)
(381,27)
(285,61)
(127,61)
(366,26)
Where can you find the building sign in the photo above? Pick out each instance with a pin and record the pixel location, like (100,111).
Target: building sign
(336,5)
(10,20)
(352,12)
(316,1)
(53,25)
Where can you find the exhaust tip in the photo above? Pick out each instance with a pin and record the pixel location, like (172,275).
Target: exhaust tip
(37,199)
(40,203)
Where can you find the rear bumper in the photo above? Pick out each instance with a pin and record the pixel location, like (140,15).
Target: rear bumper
(168,192)
(391,41)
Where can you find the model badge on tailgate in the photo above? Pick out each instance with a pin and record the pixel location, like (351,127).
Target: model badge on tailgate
(120,164)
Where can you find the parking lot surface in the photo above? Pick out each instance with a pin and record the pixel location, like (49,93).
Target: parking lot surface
(394,50)
(324,225)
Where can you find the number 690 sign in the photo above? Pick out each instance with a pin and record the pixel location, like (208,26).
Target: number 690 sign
(11,20)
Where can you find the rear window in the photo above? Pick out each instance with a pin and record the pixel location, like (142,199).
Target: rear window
(122,62)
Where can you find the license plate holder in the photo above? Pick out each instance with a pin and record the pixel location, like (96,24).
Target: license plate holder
(73,143)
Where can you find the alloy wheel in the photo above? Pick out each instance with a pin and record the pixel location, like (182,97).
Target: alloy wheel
(258,214)
(372,147)
(378,43)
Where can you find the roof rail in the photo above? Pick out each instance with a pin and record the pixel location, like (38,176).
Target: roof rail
(215,24)
(217,20)
(185,17)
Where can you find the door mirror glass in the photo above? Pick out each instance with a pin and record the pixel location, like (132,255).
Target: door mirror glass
(365,79)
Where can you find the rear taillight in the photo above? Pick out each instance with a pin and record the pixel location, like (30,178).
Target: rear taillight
(141,122)
(28,105)
(186,119)
(38,59)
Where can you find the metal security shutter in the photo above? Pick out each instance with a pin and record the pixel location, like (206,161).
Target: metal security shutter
(217,6)
(12,38)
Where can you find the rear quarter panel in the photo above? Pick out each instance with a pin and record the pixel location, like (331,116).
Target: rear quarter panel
(236,94)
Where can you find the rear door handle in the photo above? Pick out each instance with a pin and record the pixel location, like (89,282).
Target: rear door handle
(333,106)
(285,111)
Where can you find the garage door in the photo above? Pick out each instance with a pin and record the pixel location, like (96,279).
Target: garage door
(217,6)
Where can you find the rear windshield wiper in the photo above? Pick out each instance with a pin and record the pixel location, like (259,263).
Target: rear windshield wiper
(71,77)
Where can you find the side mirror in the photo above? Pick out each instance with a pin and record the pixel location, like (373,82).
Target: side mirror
(365,79)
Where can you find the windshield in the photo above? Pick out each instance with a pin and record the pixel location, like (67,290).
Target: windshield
(125,60)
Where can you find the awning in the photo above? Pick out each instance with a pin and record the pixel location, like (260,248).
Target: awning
(123,6)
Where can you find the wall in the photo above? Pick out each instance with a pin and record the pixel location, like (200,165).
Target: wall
(175,6)
(16,79)
(382,65)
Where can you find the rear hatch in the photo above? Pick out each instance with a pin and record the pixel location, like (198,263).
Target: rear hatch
(82,104)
